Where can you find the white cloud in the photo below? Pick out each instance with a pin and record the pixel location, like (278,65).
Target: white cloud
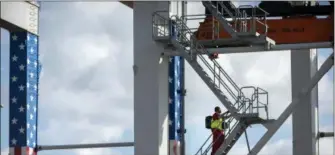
(80,129)
(84,93)
(326,90)
(96,151)
(4,151)
(88,50)
(96,9)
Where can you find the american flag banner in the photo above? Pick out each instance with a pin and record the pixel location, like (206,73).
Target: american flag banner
(24,72)
(174,104)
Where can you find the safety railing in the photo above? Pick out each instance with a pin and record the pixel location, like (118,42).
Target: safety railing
(223,79)
(253,20)
(179,31)
(250,105)
(204,149)
(259,20)
(231,125)
(241,21)
(160,26)
(212,31)
(255,103)
(216,70)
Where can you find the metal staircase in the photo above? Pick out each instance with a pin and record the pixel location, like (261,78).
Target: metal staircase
(174,34)
(232,138)
(235,130)
(242,26)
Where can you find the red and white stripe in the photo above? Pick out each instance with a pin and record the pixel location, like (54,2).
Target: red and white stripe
(22,151)
(174,147)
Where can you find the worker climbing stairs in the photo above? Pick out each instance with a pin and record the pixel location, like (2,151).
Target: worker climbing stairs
(245,110)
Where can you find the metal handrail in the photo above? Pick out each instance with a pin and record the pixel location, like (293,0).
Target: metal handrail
(189,35)
(201,147)
(185,34)
(200,47)
(239,98)
(223,7)
(255,19)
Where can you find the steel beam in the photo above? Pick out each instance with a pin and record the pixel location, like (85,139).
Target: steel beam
(22,15)
(272,48)
(287,112)
(229,50)
(84,146)
(291,11)
(325,134)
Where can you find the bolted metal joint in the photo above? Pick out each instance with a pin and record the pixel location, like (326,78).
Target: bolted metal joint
(182,92)
(180,131)
(170,46)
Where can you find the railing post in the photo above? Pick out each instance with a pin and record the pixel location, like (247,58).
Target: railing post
(214,73)
(254,20)
(219,78)
(266,25)
(257,92)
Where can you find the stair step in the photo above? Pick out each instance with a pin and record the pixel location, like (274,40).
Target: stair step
(248,115)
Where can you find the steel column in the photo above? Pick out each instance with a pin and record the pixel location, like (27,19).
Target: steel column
(151,107)
(303,67)
(24,72)
(174,104)
(182,74)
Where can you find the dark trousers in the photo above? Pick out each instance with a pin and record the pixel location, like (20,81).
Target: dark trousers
(218,139)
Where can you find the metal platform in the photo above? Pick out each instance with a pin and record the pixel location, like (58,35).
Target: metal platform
(238,42)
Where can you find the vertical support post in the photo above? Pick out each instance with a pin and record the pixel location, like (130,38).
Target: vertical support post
(303,67)
(176,110)
(182,78)
(174,105)
(23,93)
(182,107)
(150,83)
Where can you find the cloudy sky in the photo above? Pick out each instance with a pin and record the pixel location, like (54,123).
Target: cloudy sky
(86,85)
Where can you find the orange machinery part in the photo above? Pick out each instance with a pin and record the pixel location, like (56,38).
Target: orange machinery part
(283,31)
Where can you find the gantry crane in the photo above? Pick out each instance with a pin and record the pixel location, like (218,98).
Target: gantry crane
(225,27)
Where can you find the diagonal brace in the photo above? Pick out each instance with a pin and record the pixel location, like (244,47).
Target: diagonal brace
(287,112)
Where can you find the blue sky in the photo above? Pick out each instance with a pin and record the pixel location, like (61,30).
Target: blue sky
(86,88)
